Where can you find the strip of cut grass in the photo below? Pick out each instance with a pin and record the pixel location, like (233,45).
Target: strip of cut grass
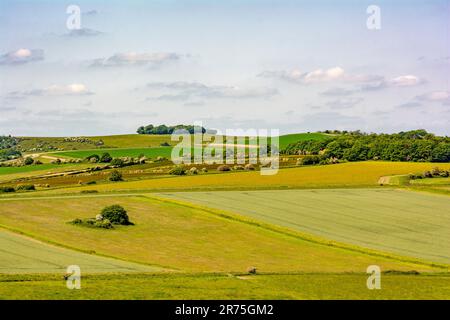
(208,286)
(189,239)
(20,254)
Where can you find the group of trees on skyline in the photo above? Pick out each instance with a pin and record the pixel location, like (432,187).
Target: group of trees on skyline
(163,129)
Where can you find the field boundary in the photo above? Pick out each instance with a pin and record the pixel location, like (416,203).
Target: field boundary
(299,235)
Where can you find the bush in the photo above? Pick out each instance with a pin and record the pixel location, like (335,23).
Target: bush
(37,162)
(444,174)
(115,176)
(117,162)
(178,170)
(91,182)
(223,168)
(204,170)
(249,167)
(94,158)
(28,161)
(165,144)
(7,189)
(89,191)
(106,158)
(427,174)
(308,160)
(193,170)
(104,223)
(116,215)
(238,168)
(26,187)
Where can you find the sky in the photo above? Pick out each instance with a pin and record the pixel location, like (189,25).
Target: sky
(296,66)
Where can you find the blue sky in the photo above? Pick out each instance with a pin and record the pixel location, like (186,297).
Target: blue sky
(290,65)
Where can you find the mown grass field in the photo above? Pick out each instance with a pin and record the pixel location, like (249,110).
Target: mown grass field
(20,254)
(117,153)
(207,286)
(10,173)
(185,239)
(403,222)
(351,174)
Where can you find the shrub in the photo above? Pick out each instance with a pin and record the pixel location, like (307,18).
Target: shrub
(37,162)
(312,159)
(165,144)
(115,176)
(106,158)
(91,182)
(249,167)
(28,161)
(178,170)
(193,170)
(204,170)
(7,189)
(444,174)
(436,171)
(428,174)
(104,223)
(223,168)
(94,158)
(116,215)
(238,168)
(26,187)
(89,191)
(117,162)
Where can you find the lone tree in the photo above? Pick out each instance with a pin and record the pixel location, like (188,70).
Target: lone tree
(116,214)
(106,158)
(115,176)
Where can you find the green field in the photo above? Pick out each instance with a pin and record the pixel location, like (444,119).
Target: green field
(287,139)
(207,286)
(20,254)
(406,223)
(117,153)
(181,238)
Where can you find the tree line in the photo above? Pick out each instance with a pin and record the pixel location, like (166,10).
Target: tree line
(164,129)
(415,145)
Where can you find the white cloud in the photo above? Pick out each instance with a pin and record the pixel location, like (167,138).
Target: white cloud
(435,96)
(21,56)
(186,90)
(75,89)
(133,58)
(405,81)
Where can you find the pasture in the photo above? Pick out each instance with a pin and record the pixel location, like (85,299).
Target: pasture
(184,239)
(402,222)
(117,153)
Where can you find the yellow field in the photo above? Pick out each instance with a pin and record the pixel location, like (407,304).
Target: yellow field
(350,174)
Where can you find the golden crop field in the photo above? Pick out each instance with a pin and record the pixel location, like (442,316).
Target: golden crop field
(349,174)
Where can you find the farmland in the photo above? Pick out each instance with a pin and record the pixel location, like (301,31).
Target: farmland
(409,223)
(227,286)
(177,237)
(311,231)
(117,153)
(352,174)
(24,255)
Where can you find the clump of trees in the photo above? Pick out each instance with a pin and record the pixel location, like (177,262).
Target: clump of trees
(109,216)
(115,176)
(416,145)
(163,129)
